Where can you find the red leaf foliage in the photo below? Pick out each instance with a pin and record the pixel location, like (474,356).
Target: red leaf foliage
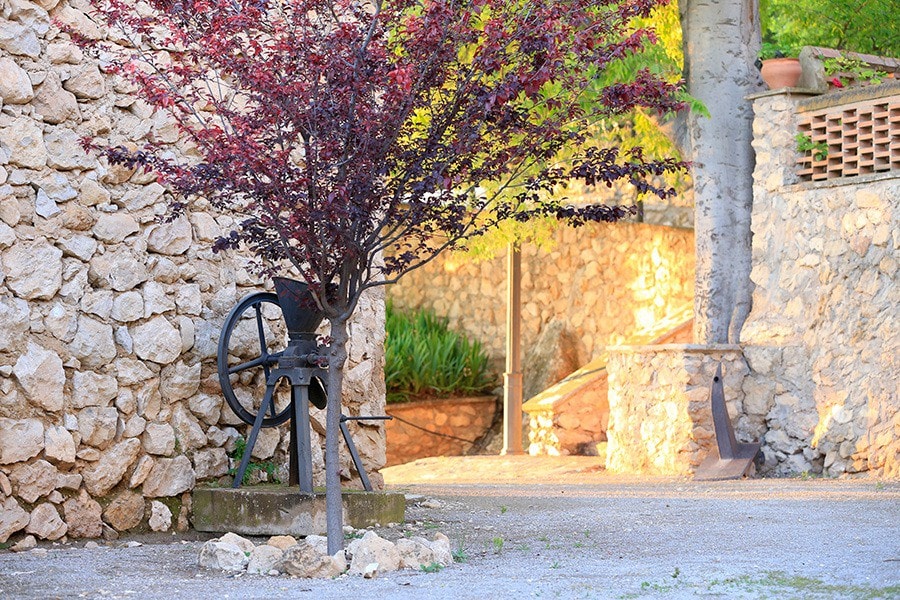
(343,130)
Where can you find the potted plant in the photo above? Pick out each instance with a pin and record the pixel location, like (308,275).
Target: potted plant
(779,67)
(438,387)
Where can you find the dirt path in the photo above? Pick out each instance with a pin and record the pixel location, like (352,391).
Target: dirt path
(556,528)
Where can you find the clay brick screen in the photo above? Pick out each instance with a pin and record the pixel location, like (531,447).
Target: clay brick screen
(862,138)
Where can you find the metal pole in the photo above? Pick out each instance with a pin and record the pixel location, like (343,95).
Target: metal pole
(512,378)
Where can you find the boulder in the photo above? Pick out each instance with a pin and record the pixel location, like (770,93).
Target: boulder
(20,439)
(103,475)
(13,518)
(33,480)
(263,559)
(157,340)
(371,548)
(159,439)
(180,381)
(98,426)
(33,268)
(14,319)
(86,83)
(93,344)
(169,477)
(15,86)
(160,516)
(222,556)
(59,445)
(282,542)
(54,103)
(64,151)
(120,269)
(46,523)
(93,389)
(171,238)
(305,560)
(113,228)
(125,511)
(19,39)
(83,516)
(212,462)
(40,373)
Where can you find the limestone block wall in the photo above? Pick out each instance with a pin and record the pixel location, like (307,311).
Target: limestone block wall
(110,409)
(660,417)
(823,339)
(604,281)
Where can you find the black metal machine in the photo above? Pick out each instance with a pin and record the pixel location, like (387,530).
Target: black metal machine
(299,360)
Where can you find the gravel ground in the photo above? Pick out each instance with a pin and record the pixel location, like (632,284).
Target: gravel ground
(550,529)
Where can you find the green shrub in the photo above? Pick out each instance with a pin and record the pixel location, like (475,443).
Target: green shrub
(424,358)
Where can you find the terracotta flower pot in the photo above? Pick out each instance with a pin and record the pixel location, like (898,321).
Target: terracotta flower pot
(780,72)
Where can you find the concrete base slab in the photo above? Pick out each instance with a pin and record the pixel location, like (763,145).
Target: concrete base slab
(279,510)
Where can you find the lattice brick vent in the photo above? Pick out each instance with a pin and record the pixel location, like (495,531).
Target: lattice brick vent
(862,138)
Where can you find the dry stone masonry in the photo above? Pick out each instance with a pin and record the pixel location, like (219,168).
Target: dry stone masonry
(110,409)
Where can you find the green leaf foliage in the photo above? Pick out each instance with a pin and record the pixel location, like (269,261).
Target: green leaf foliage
(423,357)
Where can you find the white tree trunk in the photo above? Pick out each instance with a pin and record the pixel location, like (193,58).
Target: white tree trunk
(721,44)
(334,511)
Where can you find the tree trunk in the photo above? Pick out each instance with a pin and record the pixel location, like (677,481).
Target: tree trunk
(721,43)
(334,512)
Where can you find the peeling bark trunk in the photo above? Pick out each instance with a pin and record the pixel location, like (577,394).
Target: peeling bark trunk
(334,511)
(721,43)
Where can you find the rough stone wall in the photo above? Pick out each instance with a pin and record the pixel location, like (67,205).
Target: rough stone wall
(440,427)
(109,319)
(823,339)
(602,280)
(660,418)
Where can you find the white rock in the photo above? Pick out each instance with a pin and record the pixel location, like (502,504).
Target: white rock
(263,559)
(33,269)
(19,39)
(128,307)
(59,445)
(157,340)
(189,432)
(170,238)
(44,206)
(40,373)
(222,556)
(304,560)
(211,462)
(14,317)
(32,480)
(188,299)
(121,269)
(75,19)
(54,103)
(91,193)
(114,227)
(13,518)
(134,427)
(206,407)
(98,303)
(156,299)
(86,83)
(414,553)
(7,233)
(125,511)
(106,473)
(64,151)
(81,247)
(131,372)
(46,523)
(93,389)
(169,477)
(159,439)
(98,426)
(20,439)
(160,516)
(142,197)
(15,86)
(372,548)
(93,344)
(243,543)
(141,471)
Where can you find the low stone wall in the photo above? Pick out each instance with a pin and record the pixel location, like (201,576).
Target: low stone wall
(823,338)
(604,281)
(440,427)
(110,408)
(660,417)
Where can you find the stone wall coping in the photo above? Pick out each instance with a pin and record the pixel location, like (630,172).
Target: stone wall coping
(435,401)
(686,348)
(887,89)
(785,91)
(857,180)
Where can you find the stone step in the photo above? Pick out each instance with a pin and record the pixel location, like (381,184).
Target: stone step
(279,510)
(570,417)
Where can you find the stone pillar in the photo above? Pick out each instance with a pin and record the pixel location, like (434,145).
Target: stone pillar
(660,422)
